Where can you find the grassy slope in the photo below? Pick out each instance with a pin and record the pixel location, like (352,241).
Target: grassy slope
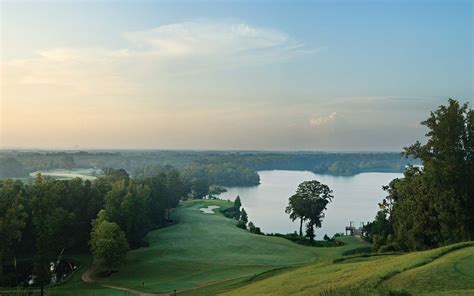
(447,270)
(206,249)
(451,274)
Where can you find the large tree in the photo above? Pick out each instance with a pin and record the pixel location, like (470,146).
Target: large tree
(108,244)
(448,170)
(433,205)
(309,203)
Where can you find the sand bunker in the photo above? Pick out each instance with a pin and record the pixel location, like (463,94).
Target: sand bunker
(209,209)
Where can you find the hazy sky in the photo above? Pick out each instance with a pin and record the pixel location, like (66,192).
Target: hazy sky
(284,75)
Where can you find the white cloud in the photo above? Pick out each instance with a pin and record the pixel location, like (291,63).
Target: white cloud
(187,48)
(205,38)
(317,121)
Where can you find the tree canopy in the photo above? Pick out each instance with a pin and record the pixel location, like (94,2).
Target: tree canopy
(432,205)
(308,204)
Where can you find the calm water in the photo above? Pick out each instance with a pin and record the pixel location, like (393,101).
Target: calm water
(355,199)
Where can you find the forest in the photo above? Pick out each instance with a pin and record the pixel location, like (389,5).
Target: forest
(107,216)
(226,168)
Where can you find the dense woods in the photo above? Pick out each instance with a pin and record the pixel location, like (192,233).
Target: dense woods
(432,205)
(108,215)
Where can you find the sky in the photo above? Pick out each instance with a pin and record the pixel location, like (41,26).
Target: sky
(257,75)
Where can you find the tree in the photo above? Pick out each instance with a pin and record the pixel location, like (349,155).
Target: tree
(128,205)
(251,227)
(176,189)
(243,216)
(448,169)
(52,225)
(200,188)
(432,205)
(237,203)
(296,209)
(309,203)
(12,217)
(310,231)
(254,229)
(108,245)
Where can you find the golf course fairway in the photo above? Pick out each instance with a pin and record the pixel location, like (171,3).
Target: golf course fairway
(203,249)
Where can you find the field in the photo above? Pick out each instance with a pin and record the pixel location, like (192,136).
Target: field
(64,174)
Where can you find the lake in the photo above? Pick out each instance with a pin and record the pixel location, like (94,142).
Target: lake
(356,199)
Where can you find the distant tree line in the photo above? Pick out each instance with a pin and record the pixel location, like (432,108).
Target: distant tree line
(432,205)
(108,216)
(226,168)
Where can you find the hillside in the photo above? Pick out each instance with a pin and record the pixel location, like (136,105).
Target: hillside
(444,271)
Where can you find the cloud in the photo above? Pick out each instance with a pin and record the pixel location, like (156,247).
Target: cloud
(317,121)
(209,38)
(150,58)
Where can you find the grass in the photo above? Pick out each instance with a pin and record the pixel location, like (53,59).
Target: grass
(64,174)
(209,251)
(450,274)
(377,275)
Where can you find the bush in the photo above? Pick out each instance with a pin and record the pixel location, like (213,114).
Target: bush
(254,229)
(242,224)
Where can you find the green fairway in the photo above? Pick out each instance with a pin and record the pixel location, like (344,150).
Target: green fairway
(64,174)
(208,249)
(447,270)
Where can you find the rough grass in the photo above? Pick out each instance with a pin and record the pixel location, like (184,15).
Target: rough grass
(452,273)
(378,275)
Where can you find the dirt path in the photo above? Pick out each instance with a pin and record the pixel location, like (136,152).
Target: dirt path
(86,277)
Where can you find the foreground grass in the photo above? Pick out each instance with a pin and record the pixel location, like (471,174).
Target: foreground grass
(451,274)
(447,270)
(208,251)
